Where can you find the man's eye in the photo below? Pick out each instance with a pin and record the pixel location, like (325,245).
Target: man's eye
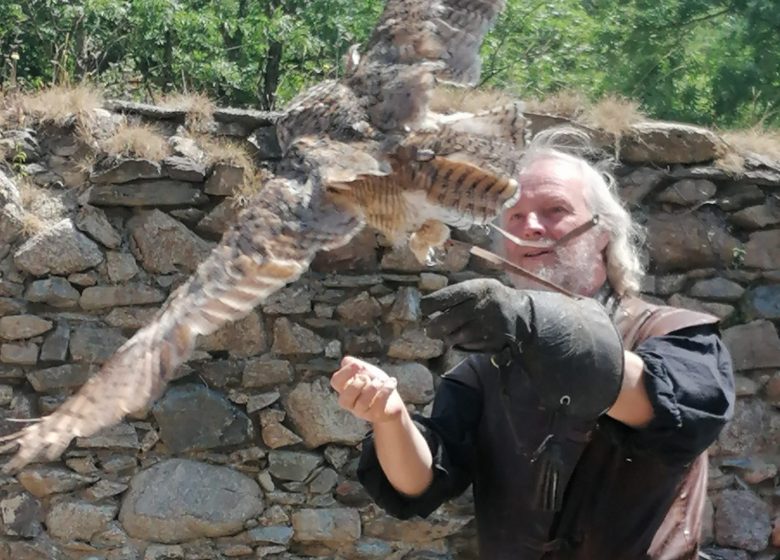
(560,210)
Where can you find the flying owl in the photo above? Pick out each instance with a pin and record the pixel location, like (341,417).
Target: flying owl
(364,150)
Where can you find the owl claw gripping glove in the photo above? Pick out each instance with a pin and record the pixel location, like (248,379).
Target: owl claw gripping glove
(569,348)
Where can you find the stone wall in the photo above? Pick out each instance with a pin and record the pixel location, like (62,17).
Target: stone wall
(247,454)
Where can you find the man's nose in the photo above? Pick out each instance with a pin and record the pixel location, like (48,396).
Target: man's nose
(532,227)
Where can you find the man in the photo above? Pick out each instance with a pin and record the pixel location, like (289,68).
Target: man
(582,423)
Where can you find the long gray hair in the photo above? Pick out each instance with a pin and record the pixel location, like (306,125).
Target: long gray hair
(625,269)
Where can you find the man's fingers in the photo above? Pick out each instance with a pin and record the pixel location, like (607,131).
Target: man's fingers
(445,298)
(351,391)
(451,320)
(349,369)
(366,396)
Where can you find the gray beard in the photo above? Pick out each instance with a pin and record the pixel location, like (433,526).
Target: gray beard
(575,267)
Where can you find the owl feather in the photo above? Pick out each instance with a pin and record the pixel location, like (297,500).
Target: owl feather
(361,151)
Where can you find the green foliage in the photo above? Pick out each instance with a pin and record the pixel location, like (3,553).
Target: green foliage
(706,61)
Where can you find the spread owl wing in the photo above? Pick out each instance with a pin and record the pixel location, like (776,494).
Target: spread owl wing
(416,43)
(272,244)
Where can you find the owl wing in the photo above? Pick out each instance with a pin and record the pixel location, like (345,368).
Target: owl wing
(446,31)
(466,177)
(272,244)
(414,44)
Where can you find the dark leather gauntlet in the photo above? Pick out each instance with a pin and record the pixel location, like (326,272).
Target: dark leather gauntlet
(569,347)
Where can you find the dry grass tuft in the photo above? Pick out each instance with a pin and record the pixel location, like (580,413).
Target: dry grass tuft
(40,209)
(754,140)
(568,104)
(614,114)
(198,107)
(227,152)
(732,163)
(450,99)
(62,105)
(137,140)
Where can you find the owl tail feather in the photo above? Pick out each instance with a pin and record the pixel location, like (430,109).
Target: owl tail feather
(139,371)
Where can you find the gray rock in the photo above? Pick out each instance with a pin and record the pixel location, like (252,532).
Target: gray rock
(763,249)
(41,548)
(60,249)
(224,180)
(290,300)
(72,518)
(59,377)
(218,220)
(754,345)
(118,436)
(275,534)
(55,346)
(261,401)
(88,278)
(265,142)
(314,411)
(714,553)
(756,217)
(179,500)
(100,297)
(720,310)
(682,242)
(635,186)
(164,245)
(44,480)
(21,514)
(742,435)
(21,353)
(11,218)
(415,381)
(164,552)
(415,530)
(414,344)
(742,520)
(12,306)
(327,524)
(718,289)
(276,435)
(324,481)
(430,282)
(406,307)
(194,417)
(738,195)
(104,489)
(130,317)
(292,465)
(180,168)
(94,344)
(359,255)
(17,327)
(160,192)
(242,338)
(455,259)
(360,310)
(688,192)
(94,222)
(763,302)
(120,267)
(55,291)
(292,338)
(666,142)
(6,395)
(126,170)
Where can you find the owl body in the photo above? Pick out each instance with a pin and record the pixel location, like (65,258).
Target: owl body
(361,151)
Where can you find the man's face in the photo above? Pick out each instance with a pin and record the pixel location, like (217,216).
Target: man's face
(552,203)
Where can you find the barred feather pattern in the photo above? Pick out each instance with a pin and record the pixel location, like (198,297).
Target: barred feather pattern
(276,240)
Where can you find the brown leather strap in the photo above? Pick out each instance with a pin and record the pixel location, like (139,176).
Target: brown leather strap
(639,320)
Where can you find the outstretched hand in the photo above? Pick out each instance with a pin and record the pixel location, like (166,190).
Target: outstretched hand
(367,392)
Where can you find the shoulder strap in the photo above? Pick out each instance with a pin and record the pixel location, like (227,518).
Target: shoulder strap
(639,320)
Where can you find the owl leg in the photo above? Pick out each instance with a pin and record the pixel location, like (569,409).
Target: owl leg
(429,237)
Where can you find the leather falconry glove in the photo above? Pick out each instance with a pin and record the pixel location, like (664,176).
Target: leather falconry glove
(569,347)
